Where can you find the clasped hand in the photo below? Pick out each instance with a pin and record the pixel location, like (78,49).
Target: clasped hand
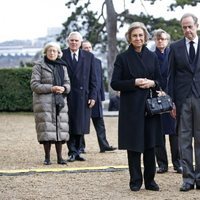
(144,83)
(58,89)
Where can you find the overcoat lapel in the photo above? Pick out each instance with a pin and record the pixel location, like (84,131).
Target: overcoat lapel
(182,50)
(135,63)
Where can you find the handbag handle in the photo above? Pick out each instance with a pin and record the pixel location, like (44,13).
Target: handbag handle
(151,92)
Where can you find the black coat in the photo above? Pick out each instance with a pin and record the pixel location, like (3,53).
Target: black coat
(168,122)
(97,110)
(137,131)
(83,87)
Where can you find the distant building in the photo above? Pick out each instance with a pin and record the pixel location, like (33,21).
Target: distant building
(12,53)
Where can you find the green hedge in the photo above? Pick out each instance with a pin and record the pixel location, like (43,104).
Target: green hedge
(15,92)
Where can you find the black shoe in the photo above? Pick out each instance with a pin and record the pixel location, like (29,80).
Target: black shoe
(108,149)
(179,170)
(61,162)
(186,187)
(79,158)
(153,186)
(71,158)
(47,162)
(134,188)
(162,170)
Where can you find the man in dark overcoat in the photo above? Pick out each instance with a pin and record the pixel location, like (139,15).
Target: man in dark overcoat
(184,88)
(82,97)
(97,110)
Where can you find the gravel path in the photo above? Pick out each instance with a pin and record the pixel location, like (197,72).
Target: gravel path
(104,176)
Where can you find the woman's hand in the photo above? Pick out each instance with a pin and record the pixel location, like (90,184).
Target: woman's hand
(161,93)
(58,89)
(144,83)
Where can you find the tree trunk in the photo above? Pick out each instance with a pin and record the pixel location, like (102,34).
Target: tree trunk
(111,26)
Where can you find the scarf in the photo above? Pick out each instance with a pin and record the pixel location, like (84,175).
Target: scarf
(57,67)
(161,56)
(58,72)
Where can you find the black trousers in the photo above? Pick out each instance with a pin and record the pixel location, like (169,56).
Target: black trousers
(74,144)
(135,169)
(99,126)
(161,153)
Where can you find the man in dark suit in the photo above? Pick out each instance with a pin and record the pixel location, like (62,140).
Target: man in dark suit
(81,99)
(97,111)
(184,88)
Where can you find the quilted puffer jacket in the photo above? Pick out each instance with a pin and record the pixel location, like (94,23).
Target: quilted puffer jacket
(49,127)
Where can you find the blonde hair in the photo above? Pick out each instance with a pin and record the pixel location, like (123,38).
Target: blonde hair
(136,25)
(52,44)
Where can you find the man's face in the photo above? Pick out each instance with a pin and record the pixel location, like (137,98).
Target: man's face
(189,28)
(87,46)
(74,42)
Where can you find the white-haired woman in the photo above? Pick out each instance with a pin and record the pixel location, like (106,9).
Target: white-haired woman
(136,71)
(50,85)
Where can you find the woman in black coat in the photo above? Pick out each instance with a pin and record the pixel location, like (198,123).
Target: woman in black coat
(136,71)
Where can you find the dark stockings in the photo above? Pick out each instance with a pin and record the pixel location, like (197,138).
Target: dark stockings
(59,153)
(47,149)
(59,150)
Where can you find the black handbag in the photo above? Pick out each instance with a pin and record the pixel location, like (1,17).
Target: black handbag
(59,99)
(159,104)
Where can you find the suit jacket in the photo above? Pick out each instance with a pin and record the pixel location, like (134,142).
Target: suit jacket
(83,87)
(97,110)
(182,77)
(136,131)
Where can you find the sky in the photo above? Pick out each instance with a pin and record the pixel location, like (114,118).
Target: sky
(29,19)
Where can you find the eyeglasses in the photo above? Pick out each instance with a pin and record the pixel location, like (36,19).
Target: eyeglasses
(52,51)
(162,39)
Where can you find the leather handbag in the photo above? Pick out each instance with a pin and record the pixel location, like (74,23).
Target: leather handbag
(158,104)
(59,99)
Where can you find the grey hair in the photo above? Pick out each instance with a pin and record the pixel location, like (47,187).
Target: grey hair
(157,34)
(136,25)
(52,44)
(75,33)
(190,15)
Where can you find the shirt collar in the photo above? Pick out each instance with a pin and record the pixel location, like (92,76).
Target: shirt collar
(195,40)
(76,52)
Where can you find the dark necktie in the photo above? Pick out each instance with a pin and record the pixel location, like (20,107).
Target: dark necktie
(191,51)
(74,61)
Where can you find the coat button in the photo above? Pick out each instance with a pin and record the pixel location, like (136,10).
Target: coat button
(81,87)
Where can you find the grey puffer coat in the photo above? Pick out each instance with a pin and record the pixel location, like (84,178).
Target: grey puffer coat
(44,105)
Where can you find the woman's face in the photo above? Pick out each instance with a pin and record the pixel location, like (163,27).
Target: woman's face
(137,38)
(52,53)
